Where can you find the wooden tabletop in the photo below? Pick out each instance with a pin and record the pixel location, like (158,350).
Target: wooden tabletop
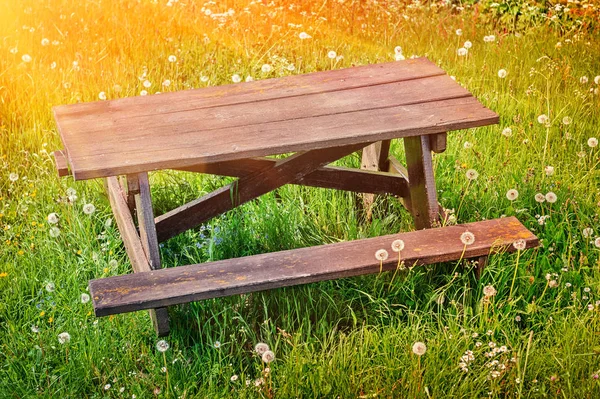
(274,116)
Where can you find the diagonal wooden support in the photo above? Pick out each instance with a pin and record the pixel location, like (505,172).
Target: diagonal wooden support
(133,245)
(284,171)
(424,205)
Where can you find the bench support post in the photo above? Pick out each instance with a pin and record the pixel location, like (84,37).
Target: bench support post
(375,158)
(423,196)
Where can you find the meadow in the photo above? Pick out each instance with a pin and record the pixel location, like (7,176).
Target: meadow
(538,336)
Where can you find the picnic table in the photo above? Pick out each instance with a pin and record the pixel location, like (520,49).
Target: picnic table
(234,130)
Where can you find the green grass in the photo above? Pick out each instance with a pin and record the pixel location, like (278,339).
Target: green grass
(347,338)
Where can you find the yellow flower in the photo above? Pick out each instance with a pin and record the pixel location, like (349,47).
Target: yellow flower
(42,313)
(79,252)
(3,274)
(21,252)
(33,223)
(89,313)
(51,320)
(7,242)
(106,270)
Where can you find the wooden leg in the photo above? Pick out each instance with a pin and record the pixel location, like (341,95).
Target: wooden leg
(133,243)
(481,264)
(375,158)
(421,182)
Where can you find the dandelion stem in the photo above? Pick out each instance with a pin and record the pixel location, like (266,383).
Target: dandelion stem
(166,370)
(514,275)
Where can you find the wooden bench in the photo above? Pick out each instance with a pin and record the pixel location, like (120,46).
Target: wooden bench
(231,130)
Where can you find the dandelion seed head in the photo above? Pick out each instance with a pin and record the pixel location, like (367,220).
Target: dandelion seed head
(397,50)
(53,218)
(397,245)
(234,378)
(551,197)
(587,232)
(468,45)
(261,348)
(472,174)
(54,232)
(13,177)
(489,291)
(162,346)
(26,58)
(467,238)
(549,170)
(88,209)
(567,120)
(166,83)
(172,58)
(583,80)
(268,357)
(519,244)
(507,132)
(64,338)
(102,95)
(304,36)
(539,197)
(597,242)
(381,254)
(266,68)
(236,78)
(512,194)
(85,298)
(331,54)
(459,32)
(419,348)
(543,119)
(502,73)
(592,142)
(462,52)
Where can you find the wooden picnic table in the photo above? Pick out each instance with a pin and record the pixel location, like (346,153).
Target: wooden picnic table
(232,130)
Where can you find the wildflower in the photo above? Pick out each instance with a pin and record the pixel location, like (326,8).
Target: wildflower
(266,68)
(419,348)
(543,119)
(592,142)
(551,197)
(539,197)
(64,338)
(467,238)
(583,80)
(332,54)
(467,145)
(172,58)
(502,73)
(204,79)
(519,245)
(147,84)
(143,93)
(88,209)
(85,298)
(472,174)
(268,357)
(13,177)
(567,120)
(53,218)
(45,42)
(597,80)
(468,45)
(489,291)
(162,346)
(597,242)
(249,78)
(26,58)
(163,369)
(512,194)
(14,50)
(113,263)
(234,378)
(304,36)
(459,32)
(517,318)
(587,232)
(549,170)
(217,344)
(166,83)
(568,285)
(552,284)
(35,329)
(107,387)
(397,245)
(261,348)
(381,254)
(236,78)
(489,39)
(50,287)
(397,50)
(258,382)
(462,52)
(507,132)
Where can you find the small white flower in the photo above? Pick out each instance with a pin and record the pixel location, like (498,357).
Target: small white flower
(147,84)
(587,232)
(268,357)
(489,291)
(597,242)
(551,197)
(35,329)
(166,83)
(549,170)
(332,54)
(85,298)
(45,42)
(507,132)
(234,378)
(512,194)
(520,244)
(217,344)
(462,52)
(468,45)
(26,58)
(13,177)
(172,58)
(266,68)
(567,120)
(592,142)
(53,218)
(102,95)
(64,338)
(54,232)
(261,348)
(397,245)
(236,78)
(543,119)
(539,197)
(88,209)
(419,348)
(304,36)
(583,80)
(107,387)
(162,346)
(381,254)
(502,73)
(459,32)
(467,238)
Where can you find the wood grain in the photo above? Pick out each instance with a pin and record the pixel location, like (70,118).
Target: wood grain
(60,161)
(183,284)
(423,195)
(374,158)
(251,186)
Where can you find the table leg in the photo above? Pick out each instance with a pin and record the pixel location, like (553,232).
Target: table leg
(423,196)
(375,158)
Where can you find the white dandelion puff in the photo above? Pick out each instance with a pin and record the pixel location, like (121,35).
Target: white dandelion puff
(468,45)
(381,254)
(597,242)
(587,232)
(236,78)
(549,170)
(172,58)
(502,73)
(459,32)
(567,120)
(13,177)
(268,357)
(26,58)
(512,194)
(543,119)
(102,95)
(162,346)
(53,218)
(54,232)
(332,54)
(583,80)
(419,348)
(519,244)
(88,209)
(539,197)
(551,197)
(489,291)
(85,298)
(261,348)
(266,68)
(304,36)
(64,338)
(462,52)
(397,245)
(592,142)
(467,238)
(472,174)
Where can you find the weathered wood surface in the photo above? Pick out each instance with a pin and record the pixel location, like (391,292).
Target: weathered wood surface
(143,204)
(423,195)
(299,113)
(437,142)
(183,284)
(335,177)
(374,158)
(133,246)
(60,161)
(246,188)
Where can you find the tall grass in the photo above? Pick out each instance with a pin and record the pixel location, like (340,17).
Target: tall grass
(344,338)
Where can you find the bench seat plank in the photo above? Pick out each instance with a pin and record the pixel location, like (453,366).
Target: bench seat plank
(183,284)
(254,119)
